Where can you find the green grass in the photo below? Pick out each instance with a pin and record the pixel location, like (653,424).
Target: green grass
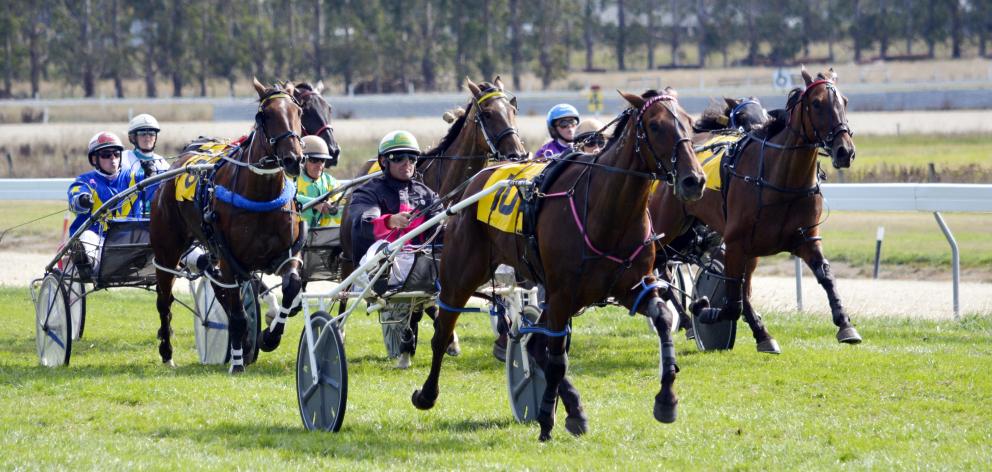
(921,149)
(915,395)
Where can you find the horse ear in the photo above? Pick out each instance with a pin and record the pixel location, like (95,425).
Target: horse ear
(633,100)
(498,83)
(806,76)
(319,87)
(731,102)
(290,88)
(833,75)
(258,87)
(472,87)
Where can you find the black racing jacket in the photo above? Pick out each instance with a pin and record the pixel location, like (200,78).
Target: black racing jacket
(383,196)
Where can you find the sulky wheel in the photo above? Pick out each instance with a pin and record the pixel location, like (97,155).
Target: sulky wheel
(249,298)
(710,283)
(524,377)
(77,302)
(53,327)
(210,325)
(322,402)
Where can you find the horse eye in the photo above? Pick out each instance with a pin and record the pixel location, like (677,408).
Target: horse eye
(816,103)
(654,127)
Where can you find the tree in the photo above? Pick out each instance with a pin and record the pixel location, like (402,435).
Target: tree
(621,35)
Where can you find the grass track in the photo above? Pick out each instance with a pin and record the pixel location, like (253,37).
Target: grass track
(915,395)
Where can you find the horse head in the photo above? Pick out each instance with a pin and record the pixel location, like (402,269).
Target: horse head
(316,118)
(496,116)
(278,121)
(744,113)
(663,131)
(822,114)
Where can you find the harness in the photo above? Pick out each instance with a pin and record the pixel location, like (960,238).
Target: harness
(760,182)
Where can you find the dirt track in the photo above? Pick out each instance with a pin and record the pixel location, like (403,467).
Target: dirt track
(863,297)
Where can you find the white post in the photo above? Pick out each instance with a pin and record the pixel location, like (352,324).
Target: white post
(955,263)
(799,283)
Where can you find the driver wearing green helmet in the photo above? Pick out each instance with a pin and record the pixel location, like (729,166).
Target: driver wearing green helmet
(384,209)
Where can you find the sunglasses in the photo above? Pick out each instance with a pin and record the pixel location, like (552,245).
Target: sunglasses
(315,160)
(567,123)
(109,155)
(397,158)
(146,132)
(591,139)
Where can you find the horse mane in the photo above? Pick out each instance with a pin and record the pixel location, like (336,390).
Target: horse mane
(779,119)
(714,117)
(453,132)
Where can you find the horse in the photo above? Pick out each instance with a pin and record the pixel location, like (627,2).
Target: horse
(770,202)
(487,130)
(316,119)
(265,236)
(652,141)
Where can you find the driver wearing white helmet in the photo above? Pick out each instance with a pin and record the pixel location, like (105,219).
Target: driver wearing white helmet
(142,133)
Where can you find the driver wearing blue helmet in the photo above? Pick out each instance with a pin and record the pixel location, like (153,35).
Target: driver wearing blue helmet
(562,121)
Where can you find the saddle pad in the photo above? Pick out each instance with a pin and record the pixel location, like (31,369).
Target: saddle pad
(186,185)
(501,210)
(710,158)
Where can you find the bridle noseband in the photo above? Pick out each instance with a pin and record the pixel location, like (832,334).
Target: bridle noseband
(493,142)
(642,135)
(824,142)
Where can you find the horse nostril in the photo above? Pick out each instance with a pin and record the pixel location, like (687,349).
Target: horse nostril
(691,182)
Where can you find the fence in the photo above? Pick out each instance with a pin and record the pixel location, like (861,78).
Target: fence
(934,198)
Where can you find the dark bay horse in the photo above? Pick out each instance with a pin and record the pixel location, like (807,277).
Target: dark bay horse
(581,260)
(255,227)
(771,202)
(316,118)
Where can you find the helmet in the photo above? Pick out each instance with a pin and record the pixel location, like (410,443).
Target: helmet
(398,140)
(561,110)
(142,121)
(103,140)
(315,147)
(557,112)
(590,125)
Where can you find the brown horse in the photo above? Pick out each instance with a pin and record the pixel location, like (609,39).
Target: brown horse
(247,221)
(607,252)
(771,202)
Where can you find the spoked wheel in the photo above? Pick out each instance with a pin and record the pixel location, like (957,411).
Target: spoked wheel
(210,325)
(710,283)
(53,327)
(77,302)
(322,401)
(524,377)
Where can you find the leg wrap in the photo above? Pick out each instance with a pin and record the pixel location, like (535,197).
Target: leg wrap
(667,364)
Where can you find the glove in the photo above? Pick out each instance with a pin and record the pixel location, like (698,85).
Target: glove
(85,201)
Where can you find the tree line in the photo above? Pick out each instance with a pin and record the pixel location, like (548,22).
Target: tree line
(395,45)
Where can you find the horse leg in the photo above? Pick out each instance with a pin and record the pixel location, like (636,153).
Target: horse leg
(292,285)
(812,253)
(576,422)
(733,269)
(454,348)
(163,303)
(765,342)
(554,370)
(666,402)
(230,299)
(444,326)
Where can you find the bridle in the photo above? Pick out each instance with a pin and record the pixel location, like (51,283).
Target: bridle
(642,136)
(327,126)
(270,163)
(493,141)
(824,142)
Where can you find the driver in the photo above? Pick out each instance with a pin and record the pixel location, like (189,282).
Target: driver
(142,133)
(314,182)
(91,189)
(562,120)
(384,209)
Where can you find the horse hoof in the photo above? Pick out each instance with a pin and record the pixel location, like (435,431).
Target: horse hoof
(545,436)
(848,335)
(690,333)
(665,411)
(236,369)
(169,363)
(454,348)
(269,342)
(421,402)
(769,346)
(577,425)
